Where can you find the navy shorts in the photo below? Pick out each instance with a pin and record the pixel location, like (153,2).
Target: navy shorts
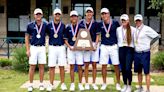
(142,61)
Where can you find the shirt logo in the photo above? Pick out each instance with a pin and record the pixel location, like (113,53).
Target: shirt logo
(70,30)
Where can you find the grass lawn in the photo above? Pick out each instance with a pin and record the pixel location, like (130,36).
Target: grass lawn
(11,80)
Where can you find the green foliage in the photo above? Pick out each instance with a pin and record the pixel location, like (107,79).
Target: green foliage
(158,61)
(157,4)
(5,62)
(20,60)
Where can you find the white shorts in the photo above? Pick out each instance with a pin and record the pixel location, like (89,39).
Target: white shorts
(92,55)
(75,57)
(37,54)
(109,52)
(56,56)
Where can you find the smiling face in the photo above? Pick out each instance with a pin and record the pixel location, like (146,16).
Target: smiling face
(38,16)
(57,16)
(105,16)
(74,19)
(138,23)
(89,14)
(124,22)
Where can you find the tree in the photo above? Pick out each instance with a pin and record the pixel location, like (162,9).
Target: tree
(157,4)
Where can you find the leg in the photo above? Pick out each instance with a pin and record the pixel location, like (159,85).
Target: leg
(86,71)
(51,74)
(62,74)
(41,72)
(148,81)
(117,71)
(72,72)
(80,73)
(104,73)
(140,78)
(31,72)
(94,71)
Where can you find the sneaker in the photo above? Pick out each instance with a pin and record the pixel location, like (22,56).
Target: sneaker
(118,87)
(129,89)
(49,88)
(81,88)
(103,87)
(147,90)
(87,87)
(140,89)
(63,87)
(95,87)
(41,87)
(124,88)
(72,87)
(30,88)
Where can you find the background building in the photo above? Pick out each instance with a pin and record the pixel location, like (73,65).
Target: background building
(15,14)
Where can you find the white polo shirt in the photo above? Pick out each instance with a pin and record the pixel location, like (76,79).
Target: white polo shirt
(143,36)
(121,36)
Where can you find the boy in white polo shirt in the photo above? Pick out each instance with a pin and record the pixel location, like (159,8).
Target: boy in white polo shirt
(142,39)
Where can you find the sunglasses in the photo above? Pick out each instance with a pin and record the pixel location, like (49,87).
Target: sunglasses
(104,13)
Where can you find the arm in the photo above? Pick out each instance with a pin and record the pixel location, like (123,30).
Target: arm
(27,44)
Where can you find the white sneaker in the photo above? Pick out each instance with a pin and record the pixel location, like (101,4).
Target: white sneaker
(81,88)
(140,89)
(41,86)
(95,87)
(103,87)
(124,88)
(30,88)
(129,89)
(118,87)
(72,87)
(49,88)
(87,87)
(63,87)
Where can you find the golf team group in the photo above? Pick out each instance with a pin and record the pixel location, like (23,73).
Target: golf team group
(122,43)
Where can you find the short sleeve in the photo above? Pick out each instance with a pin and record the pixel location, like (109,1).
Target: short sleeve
(66,32)
(97,29)
(28,31)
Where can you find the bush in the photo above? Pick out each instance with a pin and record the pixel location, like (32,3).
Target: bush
(20,60)
(5,62)
(158,61)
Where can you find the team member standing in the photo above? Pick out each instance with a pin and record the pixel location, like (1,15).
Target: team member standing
(35,47)
(74,57)
(142,38)
(109,46)
(56,53)
(91,25)
(126,50)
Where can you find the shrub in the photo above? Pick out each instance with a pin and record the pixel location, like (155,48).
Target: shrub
(5,62)
(158,61)
(20,60)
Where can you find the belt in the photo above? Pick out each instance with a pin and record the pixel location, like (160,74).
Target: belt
(55,45)
(38,45)
(143,51)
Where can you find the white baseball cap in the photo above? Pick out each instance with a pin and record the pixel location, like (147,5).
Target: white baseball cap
(38,10)
(89,9)
(138,17)
(104,10)
(124,17)
(73,13)
(57,10)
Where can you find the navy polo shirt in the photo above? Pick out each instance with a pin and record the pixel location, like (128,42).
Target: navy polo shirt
(59,40)
(32,31)
(94,31)
(68,33)
(113,38)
